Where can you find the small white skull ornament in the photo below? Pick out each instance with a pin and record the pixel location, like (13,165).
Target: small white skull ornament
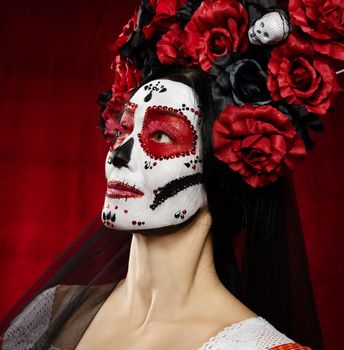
(270,29)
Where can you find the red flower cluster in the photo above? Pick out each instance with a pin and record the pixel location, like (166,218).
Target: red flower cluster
(300,76)
(323,22)
(125,35)
(170,48)
(165,15)
(216,29)
(127,79)
(260,143)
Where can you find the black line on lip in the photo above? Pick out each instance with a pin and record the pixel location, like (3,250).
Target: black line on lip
(174,187)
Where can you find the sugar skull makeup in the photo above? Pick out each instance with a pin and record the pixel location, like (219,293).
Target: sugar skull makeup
(154,167)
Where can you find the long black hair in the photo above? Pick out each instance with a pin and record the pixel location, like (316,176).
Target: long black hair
(261,225)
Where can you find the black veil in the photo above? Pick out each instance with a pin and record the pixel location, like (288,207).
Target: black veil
(97,256)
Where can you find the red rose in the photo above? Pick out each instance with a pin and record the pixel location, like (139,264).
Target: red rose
(258,142)
(127,79)
(216,29)
(165,15)
(323,22)
(300,76)
(125,35)
(170,47)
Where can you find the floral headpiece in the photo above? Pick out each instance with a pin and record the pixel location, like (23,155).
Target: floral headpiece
(271,69)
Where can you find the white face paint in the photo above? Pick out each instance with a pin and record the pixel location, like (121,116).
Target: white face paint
(154,169)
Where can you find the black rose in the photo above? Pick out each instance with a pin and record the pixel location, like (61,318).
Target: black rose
(241,82)
(248,83)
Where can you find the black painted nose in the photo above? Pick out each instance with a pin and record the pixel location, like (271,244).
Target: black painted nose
(122,154)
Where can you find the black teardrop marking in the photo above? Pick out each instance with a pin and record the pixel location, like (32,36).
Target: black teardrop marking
(148,97)
(162,90)
(104,217)
(108,216)
(113,217)
(187,165)
(177,214)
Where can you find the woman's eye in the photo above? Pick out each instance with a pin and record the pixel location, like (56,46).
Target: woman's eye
(161,137)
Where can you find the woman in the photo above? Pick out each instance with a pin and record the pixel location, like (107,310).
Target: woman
(174,295)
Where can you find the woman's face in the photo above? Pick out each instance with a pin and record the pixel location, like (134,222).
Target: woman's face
(153,171)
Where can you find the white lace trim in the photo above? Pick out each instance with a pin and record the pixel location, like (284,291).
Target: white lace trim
(30,325)
(254,333)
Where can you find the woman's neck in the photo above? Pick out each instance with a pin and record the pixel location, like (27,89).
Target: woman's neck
(170,274)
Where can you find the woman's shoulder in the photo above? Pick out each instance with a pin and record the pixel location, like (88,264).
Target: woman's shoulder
(31,323)
(254,333)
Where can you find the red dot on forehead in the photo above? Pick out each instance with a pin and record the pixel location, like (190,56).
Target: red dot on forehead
(172,123)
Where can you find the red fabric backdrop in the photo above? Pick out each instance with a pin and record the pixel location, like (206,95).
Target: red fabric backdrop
(54,61)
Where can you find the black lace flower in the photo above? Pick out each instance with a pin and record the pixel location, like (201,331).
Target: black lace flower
(245,81)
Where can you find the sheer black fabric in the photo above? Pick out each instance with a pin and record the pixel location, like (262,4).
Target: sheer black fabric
(98,256)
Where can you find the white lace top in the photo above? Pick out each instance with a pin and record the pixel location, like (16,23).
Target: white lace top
(251,334)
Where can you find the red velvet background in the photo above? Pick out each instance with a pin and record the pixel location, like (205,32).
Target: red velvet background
(54,60)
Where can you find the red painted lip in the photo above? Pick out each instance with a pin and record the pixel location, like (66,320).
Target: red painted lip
(117,189)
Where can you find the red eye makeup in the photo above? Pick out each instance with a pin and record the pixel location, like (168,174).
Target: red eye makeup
(123,126)
(126,120)
(167,133)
